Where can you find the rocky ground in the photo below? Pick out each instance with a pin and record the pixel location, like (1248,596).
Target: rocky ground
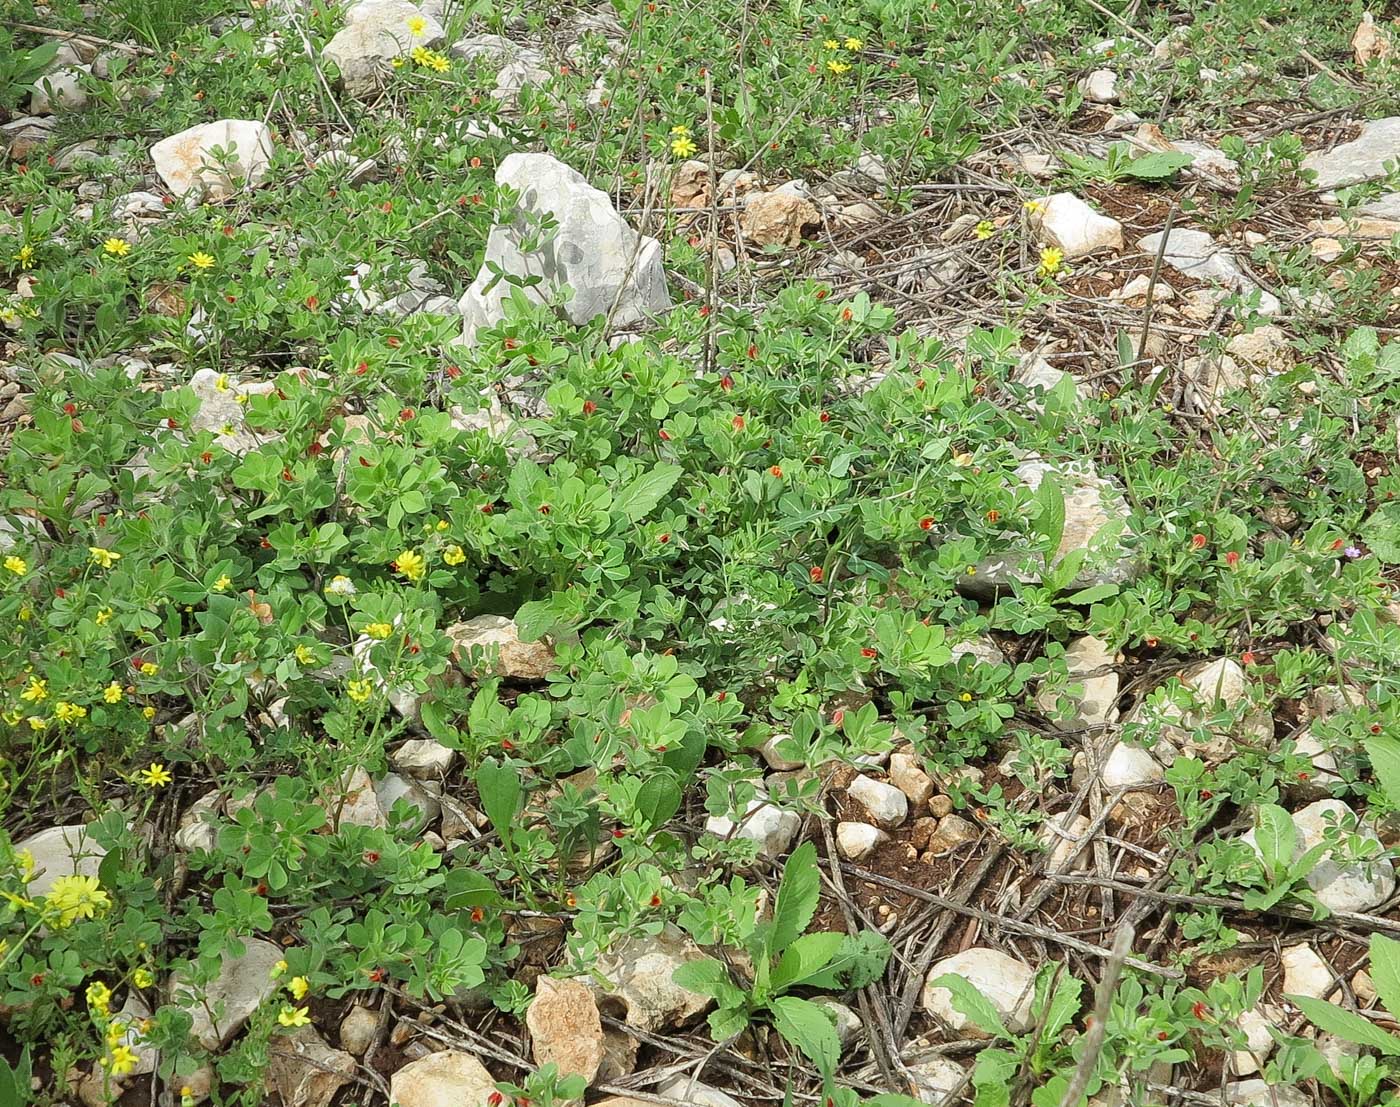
(859,568)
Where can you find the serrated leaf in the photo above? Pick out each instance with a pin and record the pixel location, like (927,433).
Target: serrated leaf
(1381,532)
(639,496)
(1385,971)
(705,976)
(972,1004)
(1384,752)
(1346,1024)
(797,896)
(810,1029)
(806,957)
(1158,166)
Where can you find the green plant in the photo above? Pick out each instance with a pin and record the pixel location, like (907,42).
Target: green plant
(20,69)
(784,957)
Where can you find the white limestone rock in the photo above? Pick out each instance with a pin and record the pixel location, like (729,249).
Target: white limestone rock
(1007,984)
(187,161)
(1066,221)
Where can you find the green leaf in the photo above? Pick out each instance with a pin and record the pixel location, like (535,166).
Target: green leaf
(1346,1024)
(1384,752)
(805,957)
(797,896)
(992,1076)
(726,1022)
(636,499)
(1385,971)
(1050,520)
(972,1004)
(1276,837)
(1093,594)
(1381,532)
(1158,166)
(500,789)
(810,1029)
(705,976)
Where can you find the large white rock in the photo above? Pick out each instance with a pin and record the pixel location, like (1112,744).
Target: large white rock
(242,984)
(423,758)
(637,971)
(1305,973)
(1256,1093)
(936,1078)
(60,851)
(516,66)
(1361,159)
(887,805)
(1259,1042)
(447,1079)
(1131,767)
(1004,982)
(1095,705)
(375,33)
(186,160)
(1096,519)
(1217,685)
(1342,887)
(857,841)
(772,828)
(609,267)
(565,1028)
(498,637)
(1066,221)
(692,1092)
(1195,254)
(1067,845)
(60,90)
(1100,86)
(907,774)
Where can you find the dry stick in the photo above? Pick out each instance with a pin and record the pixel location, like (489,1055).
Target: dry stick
(1093,1039)
(1123,23)
(1016,926)
(83,36)
(882,1045)
(1152,281)
(960,895)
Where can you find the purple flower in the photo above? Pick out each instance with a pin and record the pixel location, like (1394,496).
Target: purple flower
(1352,552)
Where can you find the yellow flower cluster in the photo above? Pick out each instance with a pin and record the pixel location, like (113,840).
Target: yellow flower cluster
(682,145)
(75,897)
(379,630)
(16,565)
(411,564)
(430,59)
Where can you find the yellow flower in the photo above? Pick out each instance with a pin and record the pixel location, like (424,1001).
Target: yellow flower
(36,691)
(411,565)
(112,693)
(149,668)
(304,655)
(76,897)
(966,697)
(102,616)
(442,524)
(683,146)
(340,586)
(122,1061)
(221,584)
(853,43)
(37,723)
(99,997)
(417,25)
(293,1016)
(25,257)
(454,555)
(837,66)
(148,713)
(680,129)
(278,969)
(438,63)
(156,776)
(66,712)
(117,247)
(1051,261)
(832,44)
(359,690)
(379,630)
(985,230)
(221,382)
(1035,207)
(103,557)
(200,260)
(16,565)
(421,54)
(12,718)
(961,460)
(143,978)
(397,63)
(298,986)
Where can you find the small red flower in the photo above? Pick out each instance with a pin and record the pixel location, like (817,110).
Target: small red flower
(816,572)
(70,409)
(393,343)
(478,915)
(720,697)
(589,407)
(60,593)
(1247,658)
(993,516)
(726,382)
(376,976)
(313,302)
(663,435)
(77,425)
(362,369)
(926,523)
(824,417)
(1338,544)
(663,538)
(486,509)
(752,350)
(509,343)
(705,312)
(406,414)
(544,509)
(36,980)
(452,372)
(315,449)
(264,544)
(1232,558)
(286,473)
(475,163)
(737,422)
(1198,1009)
(494,1099)
(1198,541)
(618,832)
(838,716)
(371,857)
(172,424)
(868,653)
(776,470)
(366,463)
(507,744)
(206,457)
(656,901)
(387,206)
(846,315)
